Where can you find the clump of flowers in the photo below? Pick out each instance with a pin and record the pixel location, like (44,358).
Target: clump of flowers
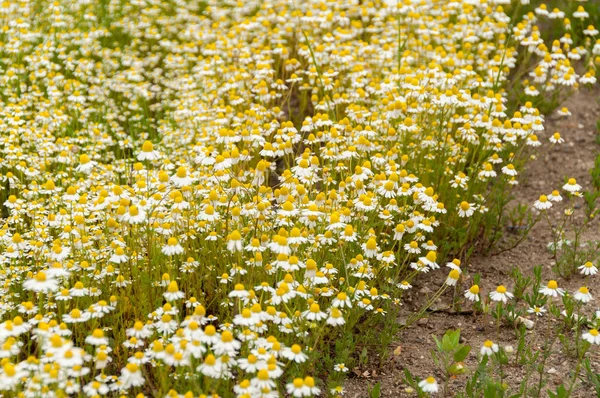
(199,197)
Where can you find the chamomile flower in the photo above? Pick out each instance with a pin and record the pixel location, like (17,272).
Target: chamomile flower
(466,209)
(580,13)
(85,164)
(501,294)
(41,283)
(340,367)
(428,385)
(314,313)
(182,178)
(97,338)
(296,388)
(555,196)
(552,289)
(335,317)
(294,353)
(472,293)
(119,256)
(488,348)
(173,293)
(509,170)
(148,152)
(11,376)
(592,336)
(537,311)
(172,247)
(131,376)
(572,186)
(542,203)
(234,241)
(588,268)
(556,139)
(453,277)
(583,295)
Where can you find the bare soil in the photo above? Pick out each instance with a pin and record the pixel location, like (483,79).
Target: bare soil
(574,158)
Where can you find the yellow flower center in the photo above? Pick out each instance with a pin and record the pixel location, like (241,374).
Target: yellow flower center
(147,146)
(132,367)
(173,288)
(40,276)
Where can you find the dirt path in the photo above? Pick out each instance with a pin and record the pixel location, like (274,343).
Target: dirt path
(574,158)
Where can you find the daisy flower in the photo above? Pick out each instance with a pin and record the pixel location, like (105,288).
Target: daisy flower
(148,152)
(542,203)
(538,311)
(239,291)
(294,353)
(97,338)
(501,294)
(488,348)
(85,164)
(119,256)
(430,260)
(564,111)
(452,277)
(172,247)
(336,317)
(370,248)
(41,283)
(572,186)
(135,215)
(227,345)
(592,336)
(466,209)
(454,264)
(555,196)
(296,388)
(509,170)
(181,178)
(556,139)
(342,300)
(581,13)
(131,376)
(552,289)
(173,293)
(583,295)
(472,293)
(76,316)
(314,313)
(234,242)
(11,376)
(590,31)
(588,268)
(340,367)
(429,385)
(310,388)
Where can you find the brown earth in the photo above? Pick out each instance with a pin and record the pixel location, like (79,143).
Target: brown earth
(574,158)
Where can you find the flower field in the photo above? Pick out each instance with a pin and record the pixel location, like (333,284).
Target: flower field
(232,198)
